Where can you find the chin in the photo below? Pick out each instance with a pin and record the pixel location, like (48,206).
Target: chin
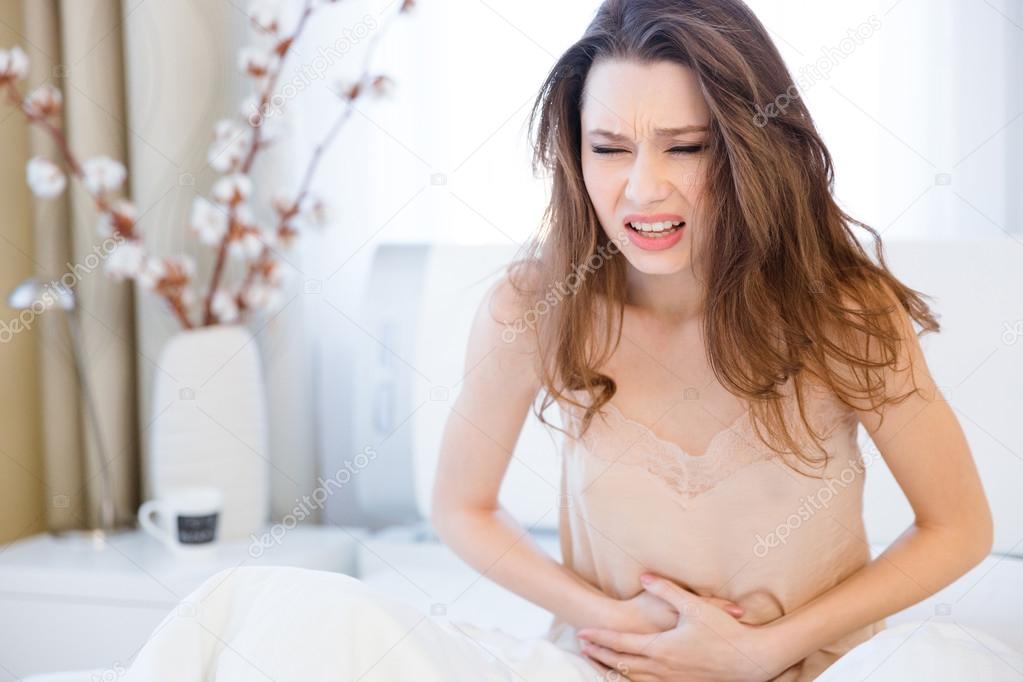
(653,263)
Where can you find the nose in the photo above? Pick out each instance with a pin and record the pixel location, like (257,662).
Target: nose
(647,184)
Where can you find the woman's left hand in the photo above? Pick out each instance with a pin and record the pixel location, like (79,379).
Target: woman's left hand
(706,644)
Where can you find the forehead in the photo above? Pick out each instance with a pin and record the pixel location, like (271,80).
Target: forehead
(639,98)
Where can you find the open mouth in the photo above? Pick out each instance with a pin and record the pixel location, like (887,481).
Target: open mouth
(658,231)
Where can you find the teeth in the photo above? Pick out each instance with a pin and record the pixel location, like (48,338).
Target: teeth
(655,227)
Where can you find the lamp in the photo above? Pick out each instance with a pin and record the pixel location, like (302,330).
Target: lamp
(37,296)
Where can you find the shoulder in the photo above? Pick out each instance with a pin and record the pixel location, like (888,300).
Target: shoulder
(504,331)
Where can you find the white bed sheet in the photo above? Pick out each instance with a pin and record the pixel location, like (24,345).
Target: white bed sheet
(431,578)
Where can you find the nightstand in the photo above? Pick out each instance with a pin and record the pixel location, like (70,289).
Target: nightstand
(69,602)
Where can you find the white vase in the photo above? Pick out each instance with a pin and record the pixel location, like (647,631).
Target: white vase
(209,424)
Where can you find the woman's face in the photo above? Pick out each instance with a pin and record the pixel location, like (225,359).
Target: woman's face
(642,128)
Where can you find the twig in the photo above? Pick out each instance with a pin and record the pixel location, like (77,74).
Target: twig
(262,261)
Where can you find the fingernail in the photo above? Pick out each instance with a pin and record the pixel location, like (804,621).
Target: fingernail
(645,579)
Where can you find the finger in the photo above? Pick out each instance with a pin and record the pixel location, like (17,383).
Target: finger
(625,642)
(729,606)
(626,664)
(684,601)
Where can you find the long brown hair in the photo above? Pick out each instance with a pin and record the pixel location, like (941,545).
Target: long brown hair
(780,257)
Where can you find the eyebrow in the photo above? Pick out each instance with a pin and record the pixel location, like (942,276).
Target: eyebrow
(660,132)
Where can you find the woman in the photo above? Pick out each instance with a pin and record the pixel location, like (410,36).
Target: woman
(712,360)
(713,334)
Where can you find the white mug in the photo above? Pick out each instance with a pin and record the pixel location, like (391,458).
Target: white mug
(187,517)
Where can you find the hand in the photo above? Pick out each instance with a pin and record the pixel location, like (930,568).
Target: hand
(704,643)
(648,613)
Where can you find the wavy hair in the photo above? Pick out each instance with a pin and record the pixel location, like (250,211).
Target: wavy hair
(780,258)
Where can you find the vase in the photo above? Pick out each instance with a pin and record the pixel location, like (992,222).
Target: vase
(208,424)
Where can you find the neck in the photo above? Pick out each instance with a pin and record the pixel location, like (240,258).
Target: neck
(676,298)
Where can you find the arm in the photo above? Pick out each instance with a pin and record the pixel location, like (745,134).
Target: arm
(500,384)
(924,446)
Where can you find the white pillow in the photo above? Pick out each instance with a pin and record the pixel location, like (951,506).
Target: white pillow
(928,650)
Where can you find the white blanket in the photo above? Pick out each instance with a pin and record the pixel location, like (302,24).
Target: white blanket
(283,624)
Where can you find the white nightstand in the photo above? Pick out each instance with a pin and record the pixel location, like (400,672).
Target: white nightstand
(68,603)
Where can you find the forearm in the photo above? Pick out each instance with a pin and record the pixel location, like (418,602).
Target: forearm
(918,564)
(493,543)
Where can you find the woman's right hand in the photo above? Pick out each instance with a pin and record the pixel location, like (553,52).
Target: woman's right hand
(646,613)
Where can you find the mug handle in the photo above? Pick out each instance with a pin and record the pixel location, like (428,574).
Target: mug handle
(146,521)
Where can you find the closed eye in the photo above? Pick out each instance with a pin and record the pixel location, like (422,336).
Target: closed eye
(691,149)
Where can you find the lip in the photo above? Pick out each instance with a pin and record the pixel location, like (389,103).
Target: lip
(652,218)
(655,243)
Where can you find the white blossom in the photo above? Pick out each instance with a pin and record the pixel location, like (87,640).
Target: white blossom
(103,174)
(121,210)
(250,110)
(45,178)
(313,210)
(257,62)
(234,188)
(209,221)
(283,203)
(224,306)
(247,246)
(347,88)
(383,85)
(13,64)
(262,296)
(185,263)
(151,271)
(280,275)
(127,260)
(264,17)
(230,145)
(45,100)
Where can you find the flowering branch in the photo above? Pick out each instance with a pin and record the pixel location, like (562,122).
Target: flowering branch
(227,222)
(99,176)
(256,68)
(287,210)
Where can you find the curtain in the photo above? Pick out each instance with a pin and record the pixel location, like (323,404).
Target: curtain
(76,46)
(144,83)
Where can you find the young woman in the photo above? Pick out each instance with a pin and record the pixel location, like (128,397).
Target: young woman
(701,312)
(713,334)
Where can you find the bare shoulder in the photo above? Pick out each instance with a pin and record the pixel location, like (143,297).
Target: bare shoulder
(503,340)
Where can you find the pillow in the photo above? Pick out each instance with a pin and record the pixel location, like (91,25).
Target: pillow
(928,650)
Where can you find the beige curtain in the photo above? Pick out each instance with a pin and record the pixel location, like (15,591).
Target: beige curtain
(144,82)
(76,46)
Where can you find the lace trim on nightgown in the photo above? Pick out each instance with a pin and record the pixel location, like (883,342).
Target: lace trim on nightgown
(626,441)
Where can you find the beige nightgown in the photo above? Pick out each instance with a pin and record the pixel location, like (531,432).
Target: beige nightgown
(734,522)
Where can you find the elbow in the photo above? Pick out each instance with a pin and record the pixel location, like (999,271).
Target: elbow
(442,519)
(438,519)
(972,538)
(977,538)
(984,533)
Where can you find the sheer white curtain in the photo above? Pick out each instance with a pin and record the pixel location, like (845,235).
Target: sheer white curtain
(444,158)
(920,111)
